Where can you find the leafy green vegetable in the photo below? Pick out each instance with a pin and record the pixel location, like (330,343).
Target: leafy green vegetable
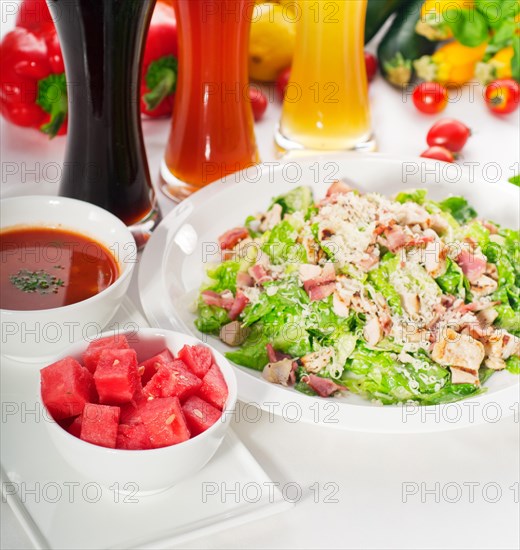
(224,276)
(302,387)
(281,245)
(452,282)
(413,195)
(468,26)
(459,208)
(380,278)
(211,318)
(299,199)
(513,364)
(515,180)
(252,355)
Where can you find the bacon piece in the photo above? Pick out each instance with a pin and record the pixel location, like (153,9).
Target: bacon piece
(275,355)
(259,274)
(320,285)
(224,300)
(339,187)
(231,238)
(238,306)
(244,280)
(491,227)
(320,292)
(472,265)
(324,387)
(394,238)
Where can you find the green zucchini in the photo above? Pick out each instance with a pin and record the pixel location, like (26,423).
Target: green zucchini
(378,11)
(401,45)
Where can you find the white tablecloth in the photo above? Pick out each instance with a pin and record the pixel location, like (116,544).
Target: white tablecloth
(458,489)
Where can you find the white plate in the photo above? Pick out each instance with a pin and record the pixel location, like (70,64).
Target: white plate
(61,509)
(173,267)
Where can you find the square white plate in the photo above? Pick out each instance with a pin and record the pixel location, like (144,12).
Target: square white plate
(61,509)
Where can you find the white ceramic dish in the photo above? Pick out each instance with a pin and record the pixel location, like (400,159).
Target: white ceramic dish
(61,508)
(151,470)
(33,335)
(174,261)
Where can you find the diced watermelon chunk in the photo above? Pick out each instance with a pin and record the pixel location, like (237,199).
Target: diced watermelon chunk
(66,386)
(99,425)
(149,367)
(130,411)
(133,436)
(214,389)
(173,380)
(164,421)
(199,415)
(75,428)
(92,353)
(116,376)
(197,358)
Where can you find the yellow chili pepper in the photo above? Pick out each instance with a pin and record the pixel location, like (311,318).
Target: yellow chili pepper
(431,23)
(451,65)
(499,66)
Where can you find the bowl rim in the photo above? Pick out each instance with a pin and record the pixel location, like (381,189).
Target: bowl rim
(226,413)
(126,269)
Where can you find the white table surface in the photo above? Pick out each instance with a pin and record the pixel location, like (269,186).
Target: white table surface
(453,490)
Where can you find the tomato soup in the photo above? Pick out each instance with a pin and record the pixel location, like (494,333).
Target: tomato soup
(44,268)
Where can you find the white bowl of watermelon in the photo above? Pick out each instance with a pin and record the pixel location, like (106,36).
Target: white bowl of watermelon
(144,410)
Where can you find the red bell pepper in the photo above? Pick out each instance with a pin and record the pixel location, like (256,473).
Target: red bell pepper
(33,90)
(159,68)
(34,15)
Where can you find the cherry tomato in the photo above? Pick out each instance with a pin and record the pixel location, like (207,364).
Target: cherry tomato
(258,102)
(438,153)
(282,81)
(449,133)
(371,65)
(430,97)
(503,96)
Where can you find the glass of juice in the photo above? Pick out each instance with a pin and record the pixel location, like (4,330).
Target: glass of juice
(326,105)
(105,161)
(212,132)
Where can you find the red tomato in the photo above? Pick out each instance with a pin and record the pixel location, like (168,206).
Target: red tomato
(258,102)
(371,65)
(503,96)
(282,81)
(438,153)
(449,133)
(430,97)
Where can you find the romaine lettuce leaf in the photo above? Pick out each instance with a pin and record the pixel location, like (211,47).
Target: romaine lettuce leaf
(211,318)
(299,199)
(459,208)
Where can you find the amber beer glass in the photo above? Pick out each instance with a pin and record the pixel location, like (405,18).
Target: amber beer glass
(212,133)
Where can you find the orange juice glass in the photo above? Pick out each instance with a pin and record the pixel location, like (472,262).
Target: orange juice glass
(212,133)
(326,105)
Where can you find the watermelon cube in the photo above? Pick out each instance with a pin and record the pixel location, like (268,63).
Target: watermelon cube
(164,421)
(149,367)
(75,428)
(173,380)
(130,411)
(133,436)
(214,388)
(95,348)
(197,358)
(99,425)
(116,376)
(66,386)
(199,415)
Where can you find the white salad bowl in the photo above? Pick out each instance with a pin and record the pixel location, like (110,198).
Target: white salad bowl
(152,470)
(174,263)
(29,336)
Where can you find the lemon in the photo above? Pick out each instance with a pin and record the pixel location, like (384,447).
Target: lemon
(271,43)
